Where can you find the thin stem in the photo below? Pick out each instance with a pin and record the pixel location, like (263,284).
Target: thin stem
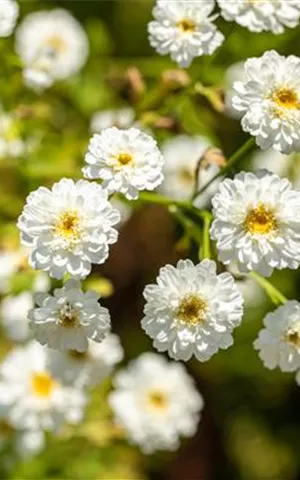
(149,197)
(275,295)
(236,157)
(205,251)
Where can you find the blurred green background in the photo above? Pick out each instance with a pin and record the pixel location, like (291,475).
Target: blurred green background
(250,428)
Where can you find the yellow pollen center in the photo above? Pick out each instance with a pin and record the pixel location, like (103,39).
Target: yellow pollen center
(56,42)
(286,98)
(293,337)
(78,355)
(124,159)
(186,176)
(42,384)
(68,317)
(157,400)
(261,220)
(67,226)
(186,25)
(192,310)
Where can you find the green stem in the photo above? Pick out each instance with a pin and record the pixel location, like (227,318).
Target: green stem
(205,248)
(275,295)
(236,157)
(149,197)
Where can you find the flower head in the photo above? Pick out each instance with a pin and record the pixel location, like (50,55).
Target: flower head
(52,45)
(68,228)
(279,342)
(191,310)
(31,396)
(87,368)
(262,15)
(257,222)
(126,160)
(13,314)
(68,319)
(121,118)
(9,13)
(269,100)
(156,402)
(184,29)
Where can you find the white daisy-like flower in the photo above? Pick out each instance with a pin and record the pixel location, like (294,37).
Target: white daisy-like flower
(184,29)
(66,320)
(9,12)
(262,15)
(13,315)
(257,222)
(126,160)
(191,310)
(89,368)
(156,402)
(276,162)
(52,45)
(11,143)
(32,398)
(278,344)
(68,227)
(269,99)
(120,118)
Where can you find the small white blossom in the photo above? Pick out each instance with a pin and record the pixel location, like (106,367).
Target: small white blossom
(156,402)
(121,118)
(66,320)
(52,45)
(191,310)
(13,315)
(278,344)
(262,15)
(32,398)
(184,29)
(257,222)
(88,368)
(68,227)
(9,12)
(126,160)
(269,100)
(276,162)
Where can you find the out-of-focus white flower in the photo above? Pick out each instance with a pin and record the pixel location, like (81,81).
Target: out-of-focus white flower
(124,210)
(126,160)
(66,320)
(14,316)
(29,443)
(184,29)
(278,343)
(87,368)
(52,45)
(11,144)
(257,222)
(276,162)
(235,73)
(32,398)
(68,227)
(262,15)
(191,310)
(269,100)
(156,402)
(252,293)
(9,13)
(122,118)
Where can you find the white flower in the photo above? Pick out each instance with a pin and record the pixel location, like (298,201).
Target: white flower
(235,73)
(66,320)
(29,443)
(262,15)
(33,399)
(283,165)
(9,12)
(13,314)
(269,99)
(191,310)
(88,368)
(68,228)
(156,402)
(184,29)
(126,160)
(11,143)
(257,222)
(121,118)
(52,45)
(124,210)
(279,342)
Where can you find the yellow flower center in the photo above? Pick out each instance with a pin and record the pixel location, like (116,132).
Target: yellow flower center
(157,400)
(186,176)
(261,220)
(192,310)
(124,159)
(68,226)
(286,98)
(186,25)
(56,43)
(78,355)
(68,317)
(42,384)
(293,337)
